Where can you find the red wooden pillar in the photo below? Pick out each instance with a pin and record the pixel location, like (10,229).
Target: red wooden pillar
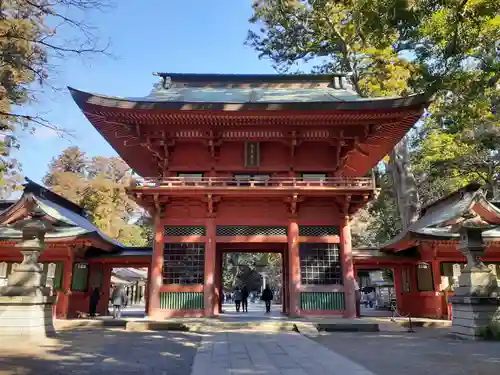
(210,299)
(146,292)
(155,280)
(285,281)
(398,287)
(105,289)
(63,296)
(348,269)
(441,305)
(293,267)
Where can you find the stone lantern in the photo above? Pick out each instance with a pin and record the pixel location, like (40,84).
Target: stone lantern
(25,304)
(476,278)
(475,304)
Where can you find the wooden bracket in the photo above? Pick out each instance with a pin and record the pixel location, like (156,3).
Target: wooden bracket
(293,201)
(346,205)
(361,150)
(160,205)
(214,143)
(293,143)
(161,151)
(212,205)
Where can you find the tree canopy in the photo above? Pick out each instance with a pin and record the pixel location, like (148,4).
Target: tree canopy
(244,269)
(448,49)
(35,36)
(98,185)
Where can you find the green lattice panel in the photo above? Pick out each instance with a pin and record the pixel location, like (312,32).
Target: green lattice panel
(310,301)
(181,300)
(318,231)
(185,230)
(243,230)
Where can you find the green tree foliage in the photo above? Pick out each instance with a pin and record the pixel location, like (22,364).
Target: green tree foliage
(449,49)
(98,185)
(34,36)
(241,269)
(337,36)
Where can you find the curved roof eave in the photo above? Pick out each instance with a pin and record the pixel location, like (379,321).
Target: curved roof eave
(83,98)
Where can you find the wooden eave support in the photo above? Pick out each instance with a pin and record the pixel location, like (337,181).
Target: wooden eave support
(214,142)
(212,202)
(161,152)
(160,205)
(293,201)
(346,205)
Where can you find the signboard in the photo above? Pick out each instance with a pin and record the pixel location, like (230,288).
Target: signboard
(252,155)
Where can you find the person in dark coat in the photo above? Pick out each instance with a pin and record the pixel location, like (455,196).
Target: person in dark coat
(237,296)
(244,299)
(118,299)
(267,297)
(94,301)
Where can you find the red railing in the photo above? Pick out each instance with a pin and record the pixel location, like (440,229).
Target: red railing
(271,182)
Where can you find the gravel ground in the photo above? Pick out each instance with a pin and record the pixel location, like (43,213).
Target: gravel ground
(103,351)
(428,351)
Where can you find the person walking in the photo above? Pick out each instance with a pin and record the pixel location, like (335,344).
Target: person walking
(94,301)
(237,296)
(244,299)
(118,299)
(267,297)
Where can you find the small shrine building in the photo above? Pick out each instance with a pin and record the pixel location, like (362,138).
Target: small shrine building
(423,287)
(77,256)
(262,163)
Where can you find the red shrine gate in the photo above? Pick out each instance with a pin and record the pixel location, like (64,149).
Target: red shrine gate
(250,161)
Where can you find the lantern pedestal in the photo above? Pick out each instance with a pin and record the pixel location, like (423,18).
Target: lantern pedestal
(476,305)
(25,304)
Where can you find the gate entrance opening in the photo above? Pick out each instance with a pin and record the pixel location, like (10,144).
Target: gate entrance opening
(254,266)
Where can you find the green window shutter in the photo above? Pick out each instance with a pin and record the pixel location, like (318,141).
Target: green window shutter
(80,277)
(58,276)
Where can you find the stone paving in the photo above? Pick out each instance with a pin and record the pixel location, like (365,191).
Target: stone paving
(103,351)
(218,351)
(269,353)
(427,351)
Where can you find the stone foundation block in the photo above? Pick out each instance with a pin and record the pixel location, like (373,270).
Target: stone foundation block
(25,317)
(473,315)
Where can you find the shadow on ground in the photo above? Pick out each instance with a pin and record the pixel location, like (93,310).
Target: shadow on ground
(428,350)
(103,351)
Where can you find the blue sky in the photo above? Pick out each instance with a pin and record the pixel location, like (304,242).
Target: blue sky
(191,36)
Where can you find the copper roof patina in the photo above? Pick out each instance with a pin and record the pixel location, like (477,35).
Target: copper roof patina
(69,220)
(233,92)
(438,219)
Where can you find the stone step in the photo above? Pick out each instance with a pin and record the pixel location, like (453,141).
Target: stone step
(305,327)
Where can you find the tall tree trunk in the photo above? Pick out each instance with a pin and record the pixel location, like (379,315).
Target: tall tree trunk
(404,185)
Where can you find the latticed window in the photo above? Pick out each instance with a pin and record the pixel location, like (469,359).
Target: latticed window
(183,263)
(318,231)
(185,230)
(241,230)
(320,264)
(80,280)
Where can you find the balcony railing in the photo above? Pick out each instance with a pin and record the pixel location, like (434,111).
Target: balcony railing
(268,183)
